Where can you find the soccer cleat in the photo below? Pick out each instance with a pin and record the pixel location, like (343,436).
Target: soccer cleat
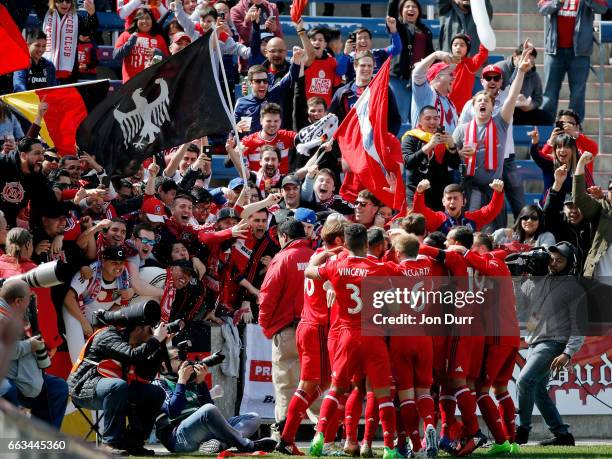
(471,444)
(497,449)
(289,449)
(351,449)
(404,451)
(212,446)
(366,450)
(522,435)
(447,445)
(515,448)
(332,450)
(316,445)
(431,441)
(389,453)
(560,439)
(265,444)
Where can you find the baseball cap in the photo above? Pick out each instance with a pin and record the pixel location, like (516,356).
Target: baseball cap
(435,69)
(179,35)
(564,248)
(466,38)
(186,265)
(154,209)
(113,252)
(264,37)
(568,199)
(491,69)
(235,183)
(291,179)
(55,211)
(304,215)
(227,212)
(201,195)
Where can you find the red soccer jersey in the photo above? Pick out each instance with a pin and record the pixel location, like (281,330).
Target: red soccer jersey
(283,140)
(320,79)
(346,276)
(315,309)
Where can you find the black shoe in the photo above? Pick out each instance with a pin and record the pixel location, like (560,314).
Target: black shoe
(265,444)
(560,439)
(140,451)
(522,435)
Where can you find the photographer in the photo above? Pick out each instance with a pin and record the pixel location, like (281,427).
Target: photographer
(106,376)
(190,419)
(554,303)
(44,394)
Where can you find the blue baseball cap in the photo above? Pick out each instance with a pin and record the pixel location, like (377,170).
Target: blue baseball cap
(304,215)
(235,183)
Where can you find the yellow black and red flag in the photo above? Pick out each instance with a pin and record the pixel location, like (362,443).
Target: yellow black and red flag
(68,106)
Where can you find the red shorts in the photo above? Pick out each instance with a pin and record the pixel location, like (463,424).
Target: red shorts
(439,353)
(357,354)
(412,361)
(311,340)
(498,364)
(464,356)
(332,342)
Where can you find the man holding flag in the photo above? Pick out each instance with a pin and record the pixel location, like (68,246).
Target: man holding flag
(370,152)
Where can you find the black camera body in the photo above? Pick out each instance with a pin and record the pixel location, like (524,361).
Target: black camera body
(535,262)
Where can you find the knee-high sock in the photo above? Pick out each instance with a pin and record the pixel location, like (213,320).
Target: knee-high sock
(295,413)
(400,427)
(426,408)
(386,411)
(332,425)
(328,410)
(371,418)
(410,417)
(448,404)
(507,411)
(492,418)
(467,406)
(354,405)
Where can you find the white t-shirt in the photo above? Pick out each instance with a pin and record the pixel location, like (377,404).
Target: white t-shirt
(106,299)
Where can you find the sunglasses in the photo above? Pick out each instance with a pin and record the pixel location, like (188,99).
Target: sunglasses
(146,241)
(492,77)
(533,218)
(361,204)
(51,159)
(261,80)
(64,1)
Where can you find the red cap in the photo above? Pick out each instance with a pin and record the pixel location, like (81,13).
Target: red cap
(155,210)
(435,69)
(491,69)
(180,35)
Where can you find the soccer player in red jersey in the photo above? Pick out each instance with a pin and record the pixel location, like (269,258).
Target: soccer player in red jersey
(412,356)
(311,338)
(354,352)
(501,348)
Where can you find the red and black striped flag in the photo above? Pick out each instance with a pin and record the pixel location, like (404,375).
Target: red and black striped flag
(68,106)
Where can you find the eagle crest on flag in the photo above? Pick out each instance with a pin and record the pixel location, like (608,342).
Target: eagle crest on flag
(145,120)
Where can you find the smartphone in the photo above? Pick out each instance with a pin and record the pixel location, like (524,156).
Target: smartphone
(440,130)
(208,151)
(352,36)
(559,124)
(221,15)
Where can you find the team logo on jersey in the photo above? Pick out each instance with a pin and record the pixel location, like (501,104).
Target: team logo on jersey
(13,192)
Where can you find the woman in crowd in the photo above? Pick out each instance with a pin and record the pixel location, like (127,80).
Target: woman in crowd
(137,45)
(9,125)
(417,42)
(18,260)
(528,230)
(63,25)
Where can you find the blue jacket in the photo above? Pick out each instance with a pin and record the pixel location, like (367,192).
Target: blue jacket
(41,75)
(583,32)
(251,105)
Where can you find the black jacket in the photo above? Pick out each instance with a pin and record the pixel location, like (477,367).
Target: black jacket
(111,343)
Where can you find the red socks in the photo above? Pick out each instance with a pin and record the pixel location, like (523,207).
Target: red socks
(332,426)
(353,414)
(328,410)
(448,404)
(491,416)
(410,416)
(507,411)
(467,405)
(295,413)
(426,408)
(371,418)
(386,411)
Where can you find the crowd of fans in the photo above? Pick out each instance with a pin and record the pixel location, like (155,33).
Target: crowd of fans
(235,252)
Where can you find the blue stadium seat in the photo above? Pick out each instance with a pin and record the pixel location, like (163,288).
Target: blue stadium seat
(105,56)
(348,24)
(606,31)
(493,58)
(521,137)
(531,176)
(220,172)
(109,22)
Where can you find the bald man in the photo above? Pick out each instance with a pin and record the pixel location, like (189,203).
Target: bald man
(12,307)
(276,58)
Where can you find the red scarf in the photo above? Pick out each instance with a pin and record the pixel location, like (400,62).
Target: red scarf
(446,118)
(167,297)
(262,179)
(490,144)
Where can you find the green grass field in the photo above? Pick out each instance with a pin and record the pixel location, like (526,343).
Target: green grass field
(578,452)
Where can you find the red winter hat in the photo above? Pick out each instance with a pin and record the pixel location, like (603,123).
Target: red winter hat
(435,69)
(154,209)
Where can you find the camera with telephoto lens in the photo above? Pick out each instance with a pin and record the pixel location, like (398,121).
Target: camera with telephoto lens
(147,313)
(45,275)
(535,262)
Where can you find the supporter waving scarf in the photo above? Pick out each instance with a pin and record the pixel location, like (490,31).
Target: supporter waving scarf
(167,297)
(439,150)
(62,41)
(95,285)
(490,144)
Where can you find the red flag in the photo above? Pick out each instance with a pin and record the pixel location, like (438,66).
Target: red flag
(297,8)
(373,154)
(15,53)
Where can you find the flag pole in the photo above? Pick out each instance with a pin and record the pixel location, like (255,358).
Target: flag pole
(229,99)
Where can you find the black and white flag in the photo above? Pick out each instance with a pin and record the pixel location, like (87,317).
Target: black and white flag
(175,101)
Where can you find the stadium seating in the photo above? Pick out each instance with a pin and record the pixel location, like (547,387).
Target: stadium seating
(109,22)
(605,31)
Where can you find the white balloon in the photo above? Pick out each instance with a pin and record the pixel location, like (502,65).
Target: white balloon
(483,24)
